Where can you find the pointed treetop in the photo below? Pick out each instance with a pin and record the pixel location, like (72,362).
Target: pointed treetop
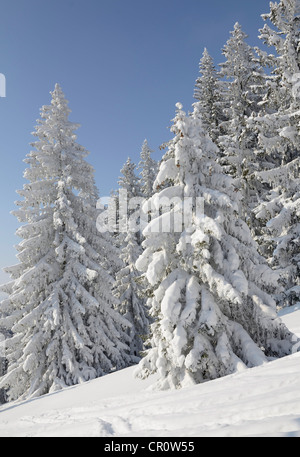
(57,87)
(57,92)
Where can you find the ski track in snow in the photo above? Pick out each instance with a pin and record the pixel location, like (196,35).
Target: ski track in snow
(262,401)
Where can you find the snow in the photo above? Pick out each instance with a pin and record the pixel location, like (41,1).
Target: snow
(259,402)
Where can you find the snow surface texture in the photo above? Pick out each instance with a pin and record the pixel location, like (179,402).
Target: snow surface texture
(261,401)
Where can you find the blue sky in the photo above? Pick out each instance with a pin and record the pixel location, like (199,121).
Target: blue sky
(122,64)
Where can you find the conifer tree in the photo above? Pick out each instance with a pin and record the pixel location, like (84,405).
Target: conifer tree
(278,134)
(213,315)
(208,90)
(2,364)
(148,167)
(129,180)
(60,303)
(129,291)
(245,90)
(129,285)
(279,129)
(130,195)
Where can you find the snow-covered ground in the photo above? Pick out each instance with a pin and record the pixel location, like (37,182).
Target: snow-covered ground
(263,401)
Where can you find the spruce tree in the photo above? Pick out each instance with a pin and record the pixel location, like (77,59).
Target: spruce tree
(60,304)
(129,181)
(129,291)
(278,134)
(278,130)
(148,167)
(245,82)
(213,315)
(129,285)
(2,364)
(208,91)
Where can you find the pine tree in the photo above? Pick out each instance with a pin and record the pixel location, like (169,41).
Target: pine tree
(279,128)
(278,134)
(208,90)
(129,180)
(2,363)
(130,195)
(245,90)
(148,167)
(213,315)
(60,303)
(128,287)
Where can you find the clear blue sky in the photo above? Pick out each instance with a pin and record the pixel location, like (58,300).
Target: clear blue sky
(123,64)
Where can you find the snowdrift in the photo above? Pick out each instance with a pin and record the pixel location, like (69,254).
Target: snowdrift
(262,401)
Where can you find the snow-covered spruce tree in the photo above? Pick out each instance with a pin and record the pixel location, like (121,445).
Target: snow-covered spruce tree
(208,91)
(128,290)
(280,212)
(278,129)
(245,89)
(278,133)
(148,167)
(60,304)
(2,364)
(129,181)
(129,194)
(129,284)
(132,287)
(209,284)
